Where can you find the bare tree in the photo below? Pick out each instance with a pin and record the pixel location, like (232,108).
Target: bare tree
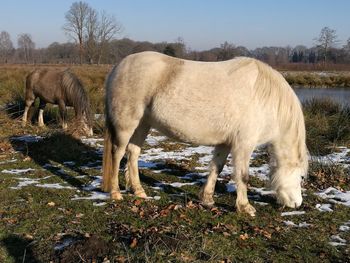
(75,24)
(91,25)
(26,46)
(326,40)
(6,46)
(108,27)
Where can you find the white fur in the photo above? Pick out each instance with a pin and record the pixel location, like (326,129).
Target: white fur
(234,105)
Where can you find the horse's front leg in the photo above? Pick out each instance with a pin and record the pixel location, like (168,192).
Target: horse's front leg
(42,105)
(63,113)
(216,165)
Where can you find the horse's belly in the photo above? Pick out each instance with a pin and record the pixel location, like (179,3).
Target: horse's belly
(185,125)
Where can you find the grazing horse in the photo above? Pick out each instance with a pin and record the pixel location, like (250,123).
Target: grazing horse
(234,105)
(58,87)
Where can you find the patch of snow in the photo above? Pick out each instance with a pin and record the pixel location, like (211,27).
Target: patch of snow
(292,213)
(54,186)
(99,204)
(260,203)
(156,197)
(96,183)
(155,140)
(27,138)
(262,191)
(25,182)
(261,172)
(336,240)
(149,165)
(17,171)
(175,184)
(95,195)
(65,243)
(336,157)
(345,227)
(94,142)
(8,161)
(335,196)
(292,224)
(231,187)
(69,163)
(324,207)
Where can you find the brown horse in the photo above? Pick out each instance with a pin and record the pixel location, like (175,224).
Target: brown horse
(58,87)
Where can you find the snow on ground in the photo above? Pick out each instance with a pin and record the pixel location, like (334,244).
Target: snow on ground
(336,157)
(27,138)
(154,159)
(324,207)
(336,196)
(292,213)
(292,224)
(17,171)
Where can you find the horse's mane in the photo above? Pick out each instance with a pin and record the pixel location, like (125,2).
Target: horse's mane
(274,91)
(76,94)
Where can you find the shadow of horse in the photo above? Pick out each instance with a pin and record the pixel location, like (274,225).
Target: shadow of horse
(19,249)
(56,152)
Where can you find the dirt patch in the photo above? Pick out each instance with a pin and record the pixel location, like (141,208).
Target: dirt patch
(92,249)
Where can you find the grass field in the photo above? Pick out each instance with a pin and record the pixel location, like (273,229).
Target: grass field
(52,210)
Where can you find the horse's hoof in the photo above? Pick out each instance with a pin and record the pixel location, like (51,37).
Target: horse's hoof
(206,199)
(141,194)
(208,204)
(116,196)
(247,209)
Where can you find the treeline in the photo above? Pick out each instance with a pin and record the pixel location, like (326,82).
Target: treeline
(115,50)
(94,35)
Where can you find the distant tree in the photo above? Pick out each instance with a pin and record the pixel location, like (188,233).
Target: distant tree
(26,46)
(107,29)
(75,26)
(6,46)
(90,38)
(295,57)
(169,50)
(325,41)
(312,56)
(346,49)
(227,51)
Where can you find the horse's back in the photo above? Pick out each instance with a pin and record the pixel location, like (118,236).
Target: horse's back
(45,84)
(202,102)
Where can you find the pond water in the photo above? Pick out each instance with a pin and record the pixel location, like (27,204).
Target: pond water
(340,95)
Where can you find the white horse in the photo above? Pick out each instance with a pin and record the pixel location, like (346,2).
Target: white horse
(234,105)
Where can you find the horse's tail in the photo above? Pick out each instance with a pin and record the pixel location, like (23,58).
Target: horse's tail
(107,168)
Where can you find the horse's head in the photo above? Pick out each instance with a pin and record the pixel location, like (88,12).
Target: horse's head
(288,190)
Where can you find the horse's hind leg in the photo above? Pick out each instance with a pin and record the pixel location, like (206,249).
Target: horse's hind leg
(63,113)
(28,103)
(133,151)
(241,156)
(42,105)
(217,164)
(118,150)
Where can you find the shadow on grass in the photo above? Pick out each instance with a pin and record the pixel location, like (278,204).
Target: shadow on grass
(57,151)
(19,249)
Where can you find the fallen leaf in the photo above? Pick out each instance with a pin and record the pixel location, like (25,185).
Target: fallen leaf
(137,202)
(133,243)
(244,236)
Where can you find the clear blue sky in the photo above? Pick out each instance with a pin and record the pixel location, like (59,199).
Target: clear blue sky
(203,24)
